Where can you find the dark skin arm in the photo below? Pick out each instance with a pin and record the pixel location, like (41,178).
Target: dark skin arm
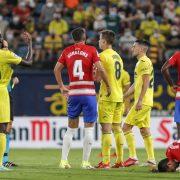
(28,60)
(167,76)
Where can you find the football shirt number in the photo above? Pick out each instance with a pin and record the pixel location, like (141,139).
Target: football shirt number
(117,70)
(78,70)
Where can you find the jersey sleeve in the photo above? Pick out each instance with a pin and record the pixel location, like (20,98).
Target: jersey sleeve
(145,68)
(169,154)
(173,59)
(62,58)
(95,55)
(12,58)
(125,78)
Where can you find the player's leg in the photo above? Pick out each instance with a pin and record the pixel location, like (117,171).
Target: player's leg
(130,121)
(3,127)
(74,110)
(177,117)
(106,112)
(89,108)
(118,134)
(144,125)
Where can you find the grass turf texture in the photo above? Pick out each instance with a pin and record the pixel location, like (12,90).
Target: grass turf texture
(43,165)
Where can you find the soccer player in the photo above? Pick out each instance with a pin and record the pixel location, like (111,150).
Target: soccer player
(139,115)
(6,161)
(174,61)
(8,58)
(172,162)
(110,108)
(79,60)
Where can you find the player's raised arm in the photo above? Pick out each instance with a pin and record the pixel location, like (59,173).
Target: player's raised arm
(28,60)
(57,72)
(104,77)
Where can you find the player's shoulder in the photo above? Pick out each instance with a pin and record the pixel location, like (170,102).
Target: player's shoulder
(145,61)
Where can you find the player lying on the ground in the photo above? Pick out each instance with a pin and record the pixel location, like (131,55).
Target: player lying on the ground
(79,60)
(8,58)
(172,162)
(174,61)
(6,161)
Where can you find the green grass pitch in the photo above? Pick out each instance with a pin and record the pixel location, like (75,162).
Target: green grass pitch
(43,165)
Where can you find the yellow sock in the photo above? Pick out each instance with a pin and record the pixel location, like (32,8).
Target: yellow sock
(148,142)
(131,144)
(2,146)
(106,147)
(119,139)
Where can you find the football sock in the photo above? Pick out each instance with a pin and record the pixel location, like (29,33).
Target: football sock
(148,142)
(87,144)
(6,154)
(131,144)
(2,146)
(119,139)
(67,140)
(106,147)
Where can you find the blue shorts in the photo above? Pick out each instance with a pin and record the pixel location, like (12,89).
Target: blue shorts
(177,111)
(85,104)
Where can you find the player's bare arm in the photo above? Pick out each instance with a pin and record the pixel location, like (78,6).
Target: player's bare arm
(57,72)
(28,40)
(104,77)
(129,92)
(167,76)
(127,100)
(145,85)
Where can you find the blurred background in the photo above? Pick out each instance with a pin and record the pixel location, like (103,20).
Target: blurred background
(50,23)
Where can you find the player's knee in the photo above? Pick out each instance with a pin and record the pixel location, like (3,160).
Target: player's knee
(106,128)
(73,123)
(126,128)
(145,132)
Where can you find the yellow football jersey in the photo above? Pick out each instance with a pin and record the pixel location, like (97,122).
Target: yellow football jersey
(7,58)
(144,66)
(113,66)
(125,78)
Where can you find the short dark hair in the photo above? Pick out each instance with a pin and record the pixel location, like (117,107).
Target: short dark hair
(1,41)
(143,42)
(162,165)
(79,34)
(109,36)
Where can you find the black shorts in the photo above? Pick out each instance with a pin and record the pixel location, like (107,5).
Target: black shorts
(11,107)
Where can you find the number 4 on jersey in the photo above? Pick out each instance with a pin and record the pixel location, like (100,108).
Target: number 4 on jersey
(77,69)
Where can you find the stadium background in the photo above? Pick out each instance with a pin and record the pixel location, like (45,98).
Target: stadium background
(50,23)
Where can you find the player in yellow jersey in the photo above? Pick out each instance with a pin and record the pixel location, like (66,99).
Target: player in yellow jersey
(8,58)
(139,115)
(110,108)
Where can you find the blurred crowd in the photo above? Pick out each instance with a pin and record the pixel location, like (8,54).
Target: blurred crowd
(50,23)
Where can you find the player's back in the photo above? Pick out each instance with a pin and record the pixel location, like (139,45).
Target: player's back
(79,59)
(6,59)
(113,66)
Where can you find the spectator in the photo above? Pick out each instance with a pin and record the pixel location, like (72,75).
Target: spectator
(149,25)
(3,25)
(22,11)
(99,23)
(58,26)
(169,11)
(113,20)
(165,27)
(47,12)
(79,15)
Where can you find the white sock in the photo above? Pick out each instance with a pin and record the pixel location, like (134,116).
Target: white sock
(67,140)
(87,144)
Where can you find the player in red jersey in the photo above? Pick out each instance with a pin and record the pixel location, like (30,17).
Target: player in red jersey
(172,162)
(174,61)
(79,60)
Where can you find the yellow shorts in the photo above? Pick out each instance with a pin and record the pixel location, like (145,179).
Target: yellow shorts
(110,112)
(139,118)
(4,105)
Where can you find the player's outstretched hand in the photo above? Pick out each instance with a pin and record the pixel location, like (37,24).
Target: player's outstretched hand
(27,37)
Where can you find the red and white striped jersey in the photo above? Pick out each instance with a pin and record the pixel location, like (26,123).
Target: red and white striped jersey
(79,59)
